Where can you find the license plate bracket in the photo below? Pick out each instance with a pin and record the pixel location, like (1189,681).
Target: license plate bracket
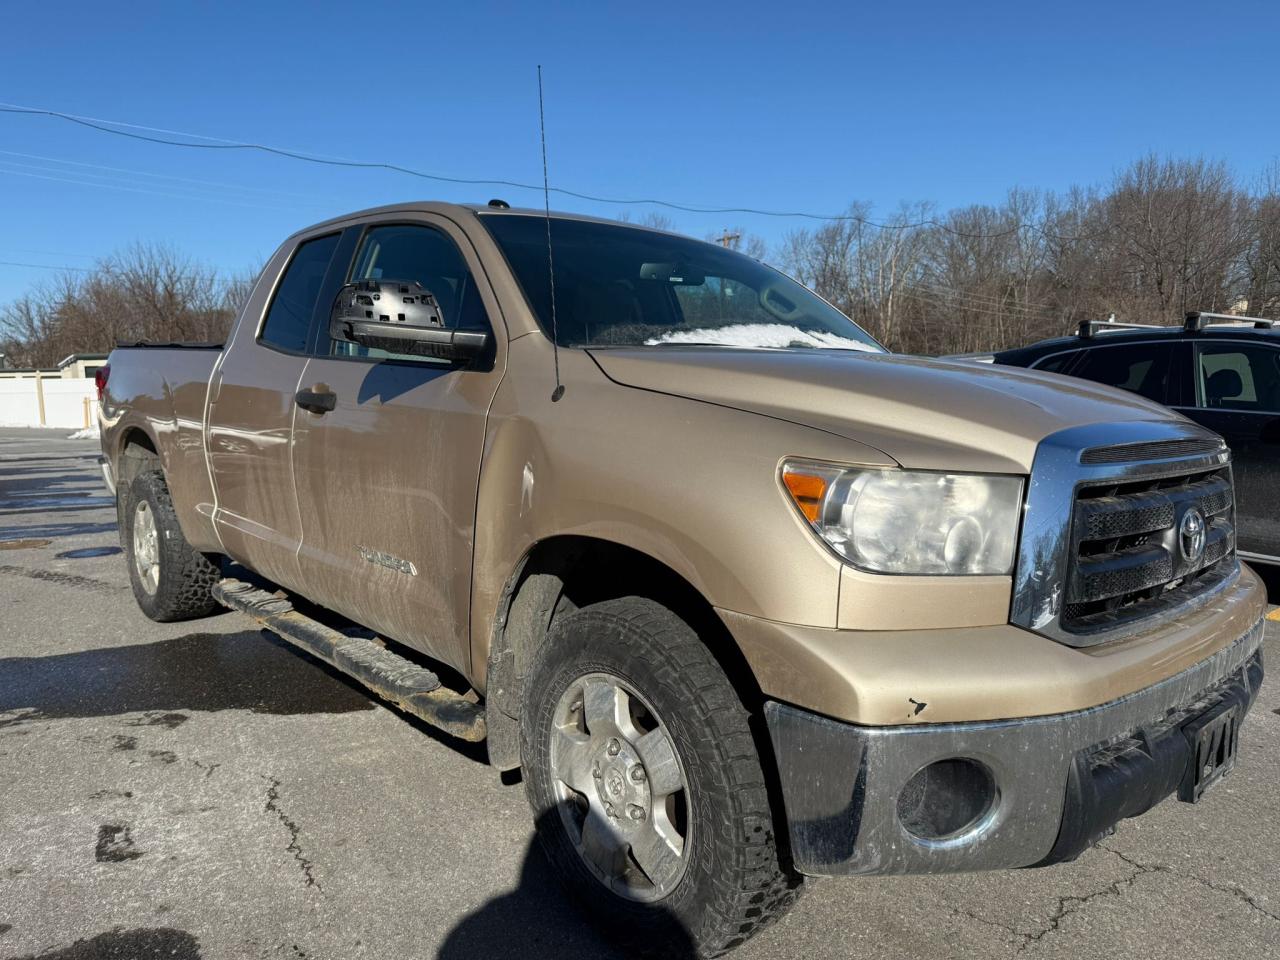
(1213,738)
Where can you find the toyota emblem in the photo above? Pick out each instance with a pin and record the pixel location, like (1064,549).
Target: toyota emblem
(1191,535)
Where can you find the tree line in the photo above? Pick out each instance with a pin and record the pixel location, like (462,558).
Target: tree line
(146,292)
(1164,237)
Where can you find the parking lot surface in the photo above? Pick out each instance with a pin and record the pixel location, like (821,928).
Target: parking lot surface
(201,790)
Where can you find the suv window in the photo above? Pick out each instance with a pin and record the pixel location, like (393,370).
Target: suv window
(1238,377)
(1142,368)
(424,254)
(1058,362)
(289,317)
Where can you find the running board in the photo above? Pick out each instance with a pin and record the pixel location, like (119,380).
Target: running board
(412,688)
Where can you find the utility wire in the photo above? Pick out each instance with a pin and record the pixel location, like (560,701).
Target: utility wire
(217,184)
(43,266)
(255,204)
(215,143)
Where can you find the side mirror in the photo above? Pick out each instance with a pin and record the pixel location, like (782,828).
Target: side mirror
(400,316)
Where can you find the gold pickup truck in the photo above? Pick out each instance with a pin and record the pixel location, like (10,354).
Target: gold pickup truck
(745,597)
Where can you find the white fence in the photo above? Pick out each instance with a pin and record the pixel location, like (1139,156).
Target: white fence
(56,402)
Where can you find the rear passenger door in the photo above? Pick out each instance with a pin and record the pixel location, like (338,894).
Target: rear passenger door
(251,413)
(387,478)
(1237,394)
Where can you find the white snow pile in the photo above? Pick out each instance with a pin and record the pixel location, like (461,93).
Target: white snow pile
(762,335)
(88,433)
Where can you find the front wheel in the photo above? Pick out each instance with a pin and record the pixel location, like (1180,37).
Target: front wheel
(646,782)
(171,580)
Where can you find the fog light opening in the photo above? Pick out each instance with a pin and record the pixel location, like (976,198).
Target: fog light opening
(946,798)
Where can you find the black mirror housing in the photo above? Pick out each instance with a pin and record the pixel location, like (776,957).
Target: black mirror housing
(400,316)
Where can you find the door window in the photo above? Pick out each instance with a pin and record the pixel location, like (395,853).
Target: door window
(1238,377)
(289,317)
(1141,368)
(1058,362)
(411,252)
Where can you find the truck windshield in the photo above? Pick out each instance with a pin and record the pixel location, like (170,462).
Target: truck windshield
(627,286)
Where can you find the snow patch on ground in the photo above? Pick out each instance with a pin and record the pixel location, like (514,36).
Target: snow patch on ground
(763,335)
(88,433)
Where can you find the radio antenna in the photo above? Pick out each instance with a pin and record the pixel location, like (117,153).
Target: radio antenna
(558,392)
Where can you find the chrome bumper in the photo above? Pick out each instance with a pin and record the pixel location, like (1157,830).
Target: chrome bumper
(841,782)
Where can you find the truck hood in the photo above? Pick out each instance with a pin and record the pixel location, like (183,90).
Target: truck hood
(925,414)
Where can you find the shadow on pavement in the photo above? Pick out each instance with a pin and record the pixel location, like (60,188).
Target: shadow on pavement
(50,531)
(160,943)
(538,921)
(199,671)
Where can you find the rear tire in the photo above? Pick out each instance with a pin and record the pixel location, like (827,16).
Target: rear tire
(625,672)
(171,580)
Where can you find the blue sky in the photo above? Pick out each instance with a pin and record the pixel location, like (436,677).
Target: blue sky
(796,106)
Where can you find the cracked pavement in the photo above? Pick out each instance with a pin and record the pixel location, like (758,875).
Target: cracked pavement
(199,790)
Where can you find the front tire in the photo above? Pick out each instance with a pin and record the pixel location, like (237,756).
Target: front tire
(171,580)
(646,782)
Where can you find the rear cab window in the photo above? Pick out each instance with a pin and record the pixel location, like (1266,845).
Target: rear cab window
(288,321)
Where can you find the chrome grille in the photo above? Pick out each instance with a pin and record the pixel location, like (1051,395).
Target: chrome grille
(1100,554)
(1149,450)
(1126,546)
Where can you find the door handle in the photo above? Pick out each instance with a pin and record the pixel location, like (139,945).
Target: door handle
(316,401)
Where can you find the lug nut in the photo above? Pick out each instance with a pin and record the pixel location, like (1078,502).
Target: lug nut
(635,811)
(614,747)
(610,811)
(596,771)
(637,774)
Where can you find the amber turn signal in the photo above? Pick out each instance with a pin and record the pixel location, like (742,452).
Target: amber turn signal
(806,490)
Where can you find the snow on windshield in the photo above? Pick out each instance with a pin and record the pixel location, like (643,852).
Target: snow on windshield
(762,335)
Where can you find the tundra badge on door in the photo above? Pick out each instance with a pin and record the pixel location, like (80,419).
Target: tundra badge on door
(388,561)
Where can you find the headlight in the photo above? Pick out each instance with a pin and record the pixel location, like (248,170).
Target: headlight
(903,521)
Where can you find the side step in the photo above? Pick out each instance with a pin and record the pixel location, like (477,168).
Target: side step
(412,688)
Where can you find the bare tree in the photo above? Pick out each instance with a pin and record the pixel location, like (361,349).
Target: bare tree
(146,292)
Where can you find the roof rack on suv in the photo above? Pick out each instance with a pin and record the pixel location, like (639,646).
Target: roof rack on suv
(1198,320)
(1091,328)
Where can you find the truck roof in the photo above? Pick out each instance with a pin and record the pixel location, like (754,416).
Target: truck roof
(457,210)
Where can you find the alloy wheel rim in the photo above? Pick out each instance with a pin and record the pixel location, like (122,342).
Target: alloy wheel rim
(620,787)
(146,547)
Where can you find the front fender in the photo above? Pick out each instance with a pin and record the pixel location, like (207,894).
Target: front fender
(690,484)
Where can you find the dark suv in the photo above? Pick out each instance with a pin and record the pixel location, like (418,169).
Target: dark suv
(1221,371)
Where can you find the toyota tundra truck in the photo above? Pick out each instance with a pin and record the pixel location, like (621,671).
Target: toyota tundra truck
(745,597)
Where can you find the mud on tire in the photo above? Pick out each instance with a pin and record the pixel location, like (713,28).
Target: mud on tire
(171,580)
(731,884)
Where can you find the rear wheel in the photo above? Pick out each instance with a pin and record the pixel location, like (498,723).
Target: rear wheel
(646,782)
(171,580)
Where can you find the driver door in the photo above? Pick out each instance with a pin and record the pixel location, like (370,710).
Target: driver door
(387,478)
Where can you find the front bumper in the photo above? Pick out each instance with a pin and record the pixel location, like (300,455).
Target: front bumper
(1061,782)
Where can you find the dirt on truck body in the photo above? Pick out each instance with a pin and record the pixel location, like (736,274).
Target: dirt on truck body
(745,597)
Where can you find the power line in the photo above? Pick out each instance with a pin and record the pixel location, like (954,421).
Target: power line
(216,143)
(47,175)
(43,266)
(159,176)
(1011,311)
(992,298)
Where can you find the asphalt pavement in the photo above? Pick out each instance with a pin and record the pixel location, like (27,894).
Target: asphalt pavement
(201,790)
